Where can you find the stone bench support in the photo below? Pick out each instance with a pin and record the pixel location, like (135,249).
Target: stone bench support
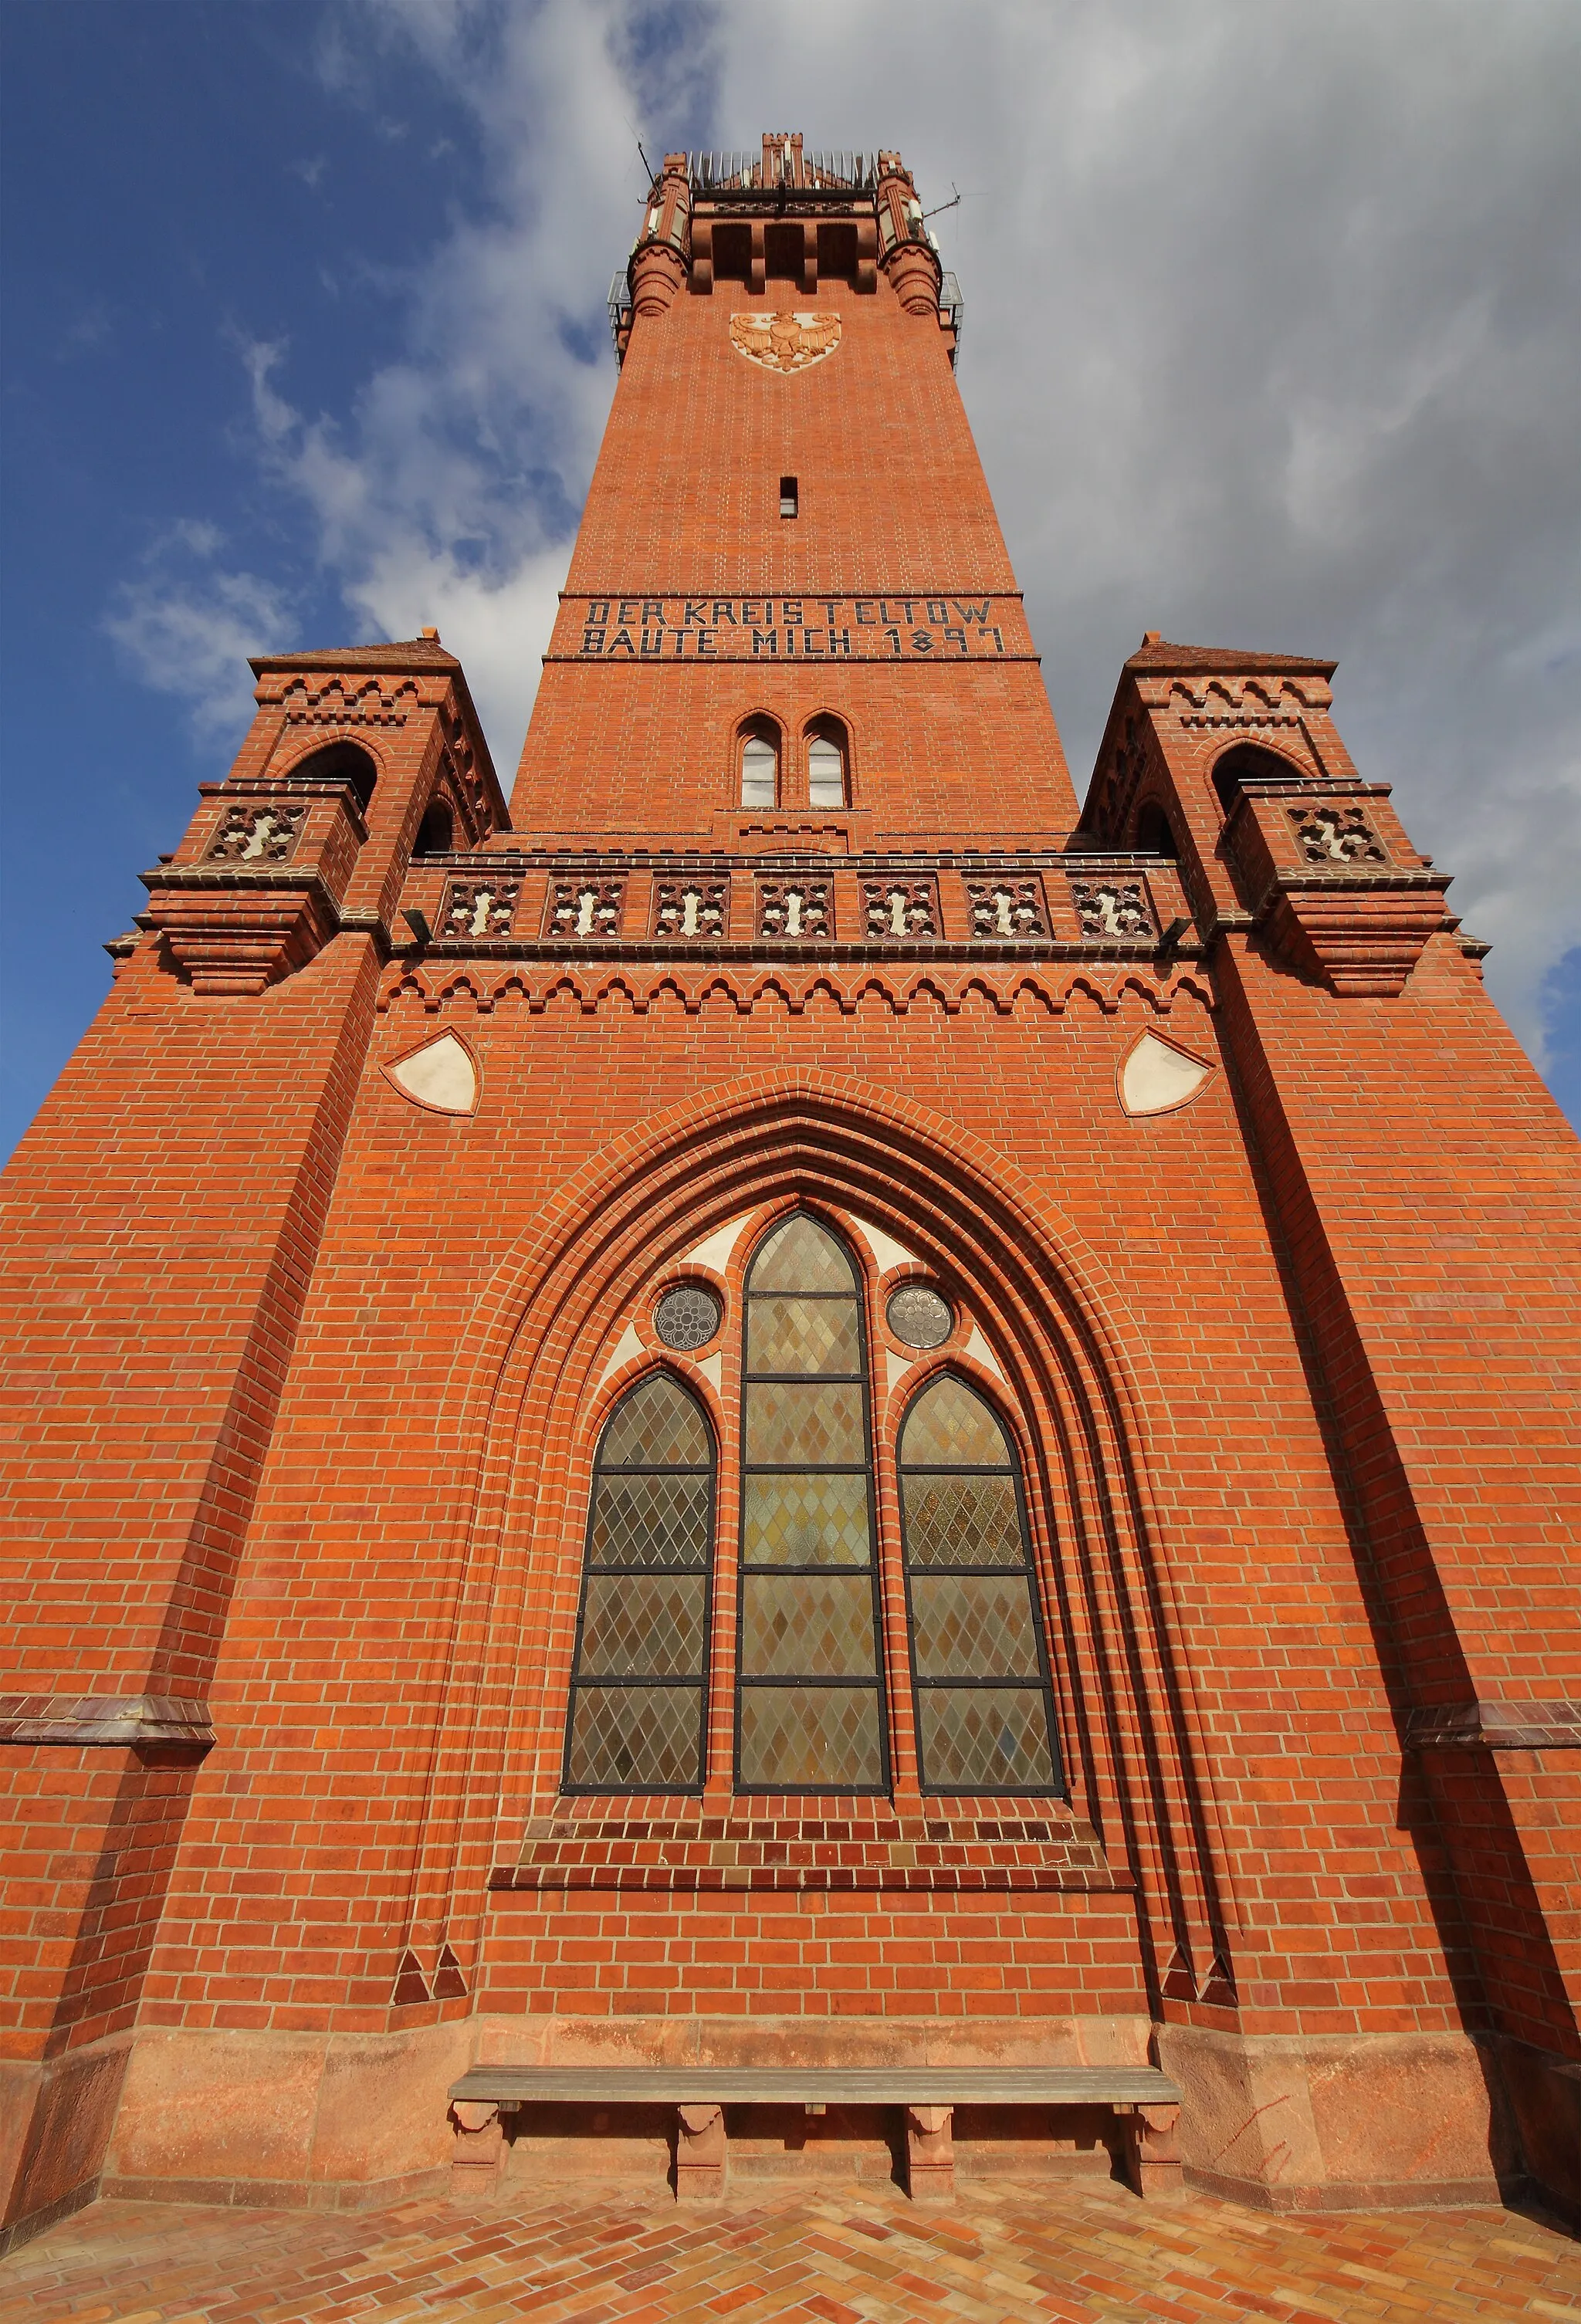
(1146,2103)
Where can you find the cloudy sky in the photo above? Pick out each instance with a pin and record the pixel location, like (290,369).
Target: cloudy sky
(1273,339)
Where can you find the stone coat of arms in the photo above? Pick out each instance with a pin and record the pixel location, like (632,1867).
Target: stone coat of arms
(785,341)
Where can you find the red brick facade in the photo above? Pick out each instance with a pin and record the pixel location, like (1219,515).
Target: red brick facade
(1256,1230)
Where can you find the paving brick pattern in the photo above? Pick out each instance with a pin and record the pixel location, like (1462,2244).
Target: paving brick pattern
(1011,2250)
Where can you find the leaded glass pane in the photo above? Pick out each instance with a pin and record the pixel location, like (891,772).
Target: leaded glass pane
(657,1425)
(811,1738)
(985,1739)
(807,1625)
(801,1520)
(803,1335)
(949,1427)
(628,1738)
(974,1629)
(961,1521)
(801,1256)
(644,1625)
(650,1520)
(786,1422)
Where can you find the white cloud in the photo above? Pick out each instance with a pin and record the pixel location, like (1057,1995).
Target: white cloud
(185,626)
(1272,341)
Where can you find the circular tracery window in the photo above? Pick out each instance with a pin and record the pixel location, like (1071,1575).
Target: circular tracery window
(919,1317)
(687,1317)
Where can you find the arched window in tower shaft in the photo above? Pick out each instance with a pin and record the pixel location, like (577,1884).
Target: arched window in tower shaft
(637,1691)
(809,1698)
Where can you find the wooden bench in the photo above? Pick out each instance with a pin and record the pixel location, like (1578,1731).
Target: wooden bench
(1146,2103)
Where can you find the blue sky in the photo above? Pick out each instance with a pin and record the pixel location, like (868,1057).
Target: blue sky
(1271,340)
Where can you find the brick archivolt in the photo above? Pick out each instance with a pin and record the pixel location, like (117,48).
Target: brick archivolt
(529,1385)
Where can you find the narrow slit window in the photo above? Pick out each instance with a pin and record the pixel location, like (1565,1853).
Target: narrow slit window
(979,1666)
(809,1713)
(790,497)
(760,772)
(636,1722)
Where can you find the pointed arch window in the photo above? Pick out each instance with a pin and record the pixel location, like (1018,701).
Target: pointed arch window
(809,1696)
(979,1666)
(760,771)
(825,768)
(636,1722)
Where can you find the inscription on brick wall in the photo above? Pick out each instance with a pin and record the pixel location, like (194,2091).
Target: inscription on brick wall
(793,629)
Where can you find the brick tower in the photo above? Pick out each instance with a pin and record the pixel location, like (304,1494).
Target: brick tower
(794,1409)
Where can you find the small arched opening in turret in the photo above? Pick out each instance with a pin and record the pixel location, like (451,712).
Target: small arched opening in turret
(340,763)
(436,833)
(1248,763)
(1155,835)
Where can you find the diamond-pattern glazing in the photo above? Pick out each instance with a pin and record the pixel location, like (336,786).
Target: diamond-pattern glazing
(650,1521)
(985,1739)
(801,1256)
(811,1738)
(807,1625)
(974,1629)
(949,1427)
(815,1424)
(657,1425)
(803,1335)
(961,1521)
(626,1739)
(805,1521)
(644,1625)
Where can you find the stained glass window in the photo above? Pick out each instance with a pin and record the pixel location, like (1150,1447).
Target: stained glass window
(809,1698)
(636,1713)
(979,1667)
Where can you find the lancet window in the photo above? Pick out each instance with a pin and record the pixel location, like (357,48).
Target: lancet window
(637,1693)
(760,772)
(809,1698)
(979,1666)
(802,1635)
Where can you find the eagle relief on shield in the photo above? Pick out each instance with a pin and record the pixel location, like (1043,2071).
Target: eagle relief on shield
(785,341)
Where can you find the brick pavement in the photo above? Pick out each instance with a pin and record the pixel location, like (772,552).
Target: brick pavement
(1012,2250)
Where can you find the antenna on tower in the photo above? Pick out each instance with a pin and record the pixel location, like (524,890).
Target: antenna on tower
(643,157)
(950,204)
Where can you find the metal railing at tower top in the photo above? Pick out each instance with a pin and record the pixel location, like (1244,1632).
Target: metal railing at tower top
(724,173)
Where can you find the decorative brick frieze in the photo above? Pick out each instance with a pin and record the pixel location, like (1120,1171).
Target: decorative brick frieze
(900,909)
(1107,909)
(798,910)
(691,911)
(1007,907)
(476,911)
(258,834)
(583,907)
(1335,834)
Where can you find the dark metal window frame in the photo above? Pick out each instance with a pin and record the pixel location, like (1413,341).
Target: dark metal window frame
(858,1296)
(591,1573)
(1059,1789)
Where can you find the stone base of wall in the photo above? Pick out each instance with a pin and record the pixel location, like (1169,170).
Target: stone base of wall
(55,2120)
(1341,2121)
(1284,2122)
